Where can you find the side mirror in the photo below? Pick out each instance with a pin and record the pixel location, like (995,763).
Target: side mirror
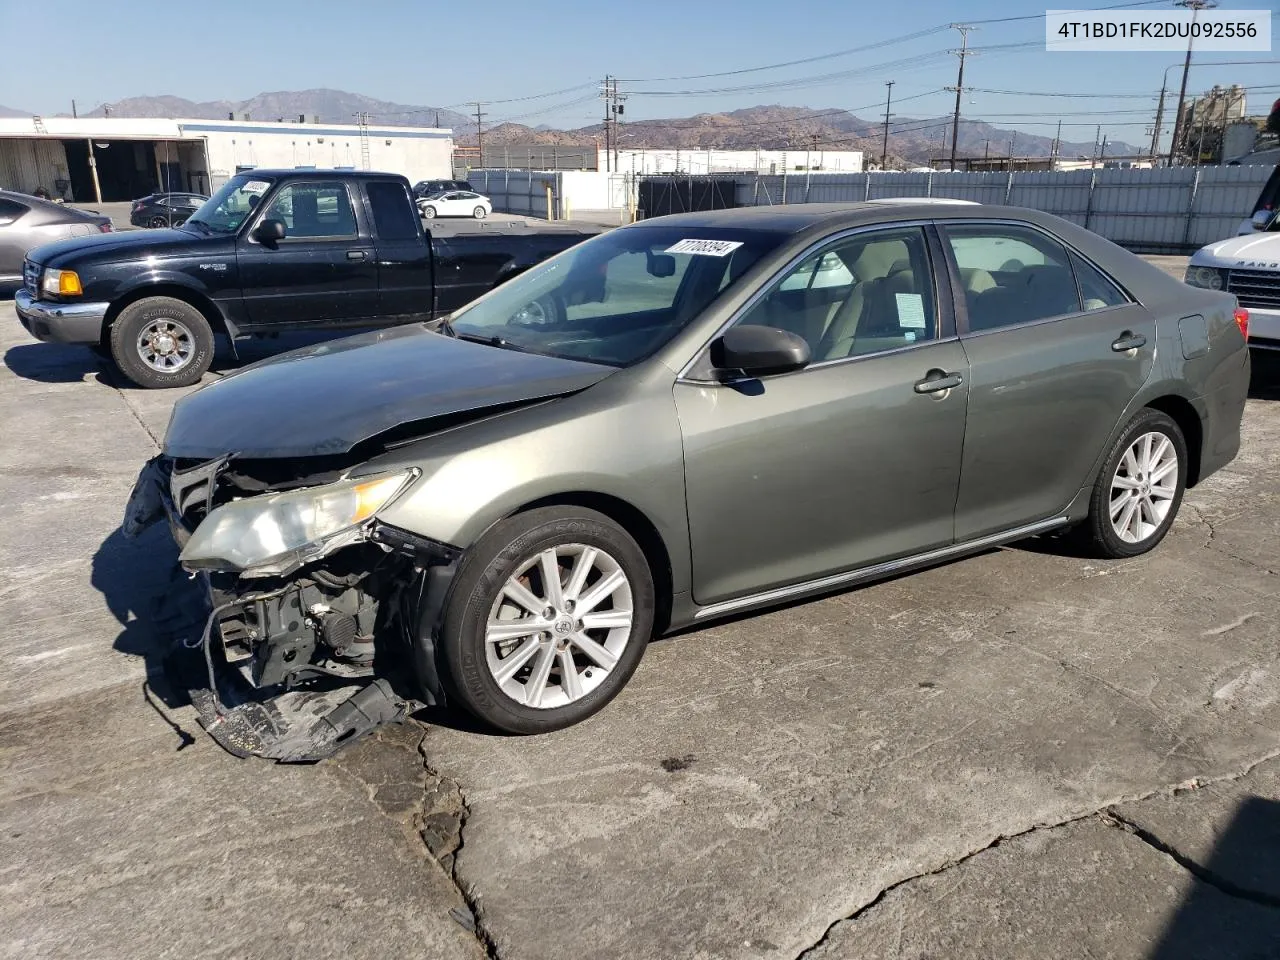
(1262,219)
(269,232)
(756,351)
(661,265)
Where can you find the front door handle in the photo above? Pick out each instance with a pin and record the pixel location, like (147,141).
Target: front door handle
(1128,341)
(356,254)
(937,381)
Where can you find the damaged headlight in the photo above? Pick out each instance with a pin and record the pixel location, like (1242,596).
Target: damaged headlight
(269,535)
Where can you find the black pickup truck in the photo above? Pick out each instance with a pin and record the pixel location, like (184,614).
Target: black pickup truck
(272,250)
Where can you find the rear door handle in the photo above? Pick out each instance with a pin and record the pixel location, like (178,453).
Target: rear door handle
(356,254)
(1128,341)
(938,380)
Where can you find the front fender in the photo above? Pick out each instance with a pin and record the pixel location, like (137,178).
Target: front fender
(573,448)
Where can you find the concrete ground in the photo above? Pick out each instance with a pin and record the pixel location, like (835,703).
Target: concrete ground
(1023,754)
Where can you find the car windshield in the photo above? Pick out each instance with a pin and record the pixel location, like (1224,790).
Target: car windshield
(231,205)
(618,297)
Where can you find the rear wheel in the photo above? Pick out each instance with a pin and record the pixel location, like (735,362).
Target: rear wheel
(547,620)
(1139,489)
(479,213)
(159,222)
(162,342)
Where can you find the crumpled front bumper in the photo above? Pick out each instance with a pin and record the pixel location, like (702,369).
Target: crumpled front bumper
(283,723)
(60,322)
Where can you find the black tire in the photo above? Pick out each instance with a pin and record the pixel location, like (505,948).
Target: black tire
(478,213)
(428,213)
(477,585)
(1096,534)
(136,317)
(157,222)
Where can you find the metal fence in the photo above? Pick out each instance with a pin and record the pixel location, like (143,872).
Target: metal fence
(1150,211)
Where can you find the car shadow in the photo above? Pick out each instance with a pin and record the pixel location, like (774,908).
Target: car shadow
(1233,912)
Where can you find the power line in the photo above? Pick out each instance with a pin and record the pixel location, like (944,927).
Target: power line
(919,34)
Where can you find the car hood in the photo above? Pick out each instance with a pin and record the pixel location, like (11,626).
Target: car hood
(1260,251)
(125,245)
(326,399)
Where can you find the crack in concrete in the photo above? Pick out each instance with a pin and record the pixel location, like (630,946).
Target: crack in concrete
(155,442)
(1105,812)
(1196,869)
(440,824)
(1210,543)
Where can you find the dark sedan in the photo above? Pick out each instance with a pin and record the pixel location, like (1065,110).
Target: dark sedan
(689,418)
(27,222)
(165,209)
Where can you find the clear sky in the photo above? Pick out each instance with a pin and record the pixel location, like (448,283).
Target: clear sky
(501,50)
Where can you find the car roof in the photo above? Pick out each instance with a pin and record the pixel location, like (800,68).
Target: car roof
(798,217)
(318,174)
(46,206)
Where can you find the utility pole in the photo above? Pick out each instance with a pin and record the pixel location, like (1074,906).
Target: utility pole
(73,110)
(1097,135)
(1057,147)
(959,87)
(1195,6)
(480,115)
(612,109)
(1155,131)
(884,146)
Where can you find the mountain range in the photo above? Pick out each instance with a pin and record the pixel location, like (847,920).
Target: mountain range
(774,127)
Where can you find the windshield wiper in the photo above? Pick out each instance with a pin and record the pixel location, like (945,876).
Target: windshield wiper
(491,341)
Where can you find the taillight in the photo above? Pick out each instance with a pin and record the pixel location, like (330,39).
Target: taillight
(1242,321)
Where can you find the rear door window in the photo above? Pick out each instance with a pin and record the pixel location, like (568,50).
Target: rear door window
(1097,290)
(10,210)
(1011,275)
(394,215)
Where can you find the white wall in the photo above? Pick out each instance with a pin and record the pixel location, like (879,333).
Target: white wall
(419,154)
(28,164)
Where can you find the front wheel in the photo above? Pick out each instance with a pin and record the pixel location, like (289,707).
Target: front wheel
(428,213)
(162,342)
(547,619)
(479,213)
(1139,489)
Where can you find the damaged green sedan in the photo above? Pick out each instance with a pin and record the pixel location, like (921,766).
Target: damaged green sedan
(678,420)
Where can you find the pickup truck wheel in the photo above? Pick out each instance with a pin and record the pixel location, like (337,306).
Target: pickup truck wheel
(478,213)
(162,342)
(428,213)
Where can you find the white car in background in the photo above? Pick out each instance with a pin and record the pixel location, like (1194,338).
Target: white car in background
(1249,267)
(455,203)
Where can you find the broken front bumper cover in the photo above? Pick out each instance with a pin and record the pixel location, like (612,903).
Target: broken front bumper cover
(300,724)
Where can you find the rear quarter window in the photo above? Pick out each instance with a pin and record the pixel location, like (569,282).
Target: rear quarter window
(11,210)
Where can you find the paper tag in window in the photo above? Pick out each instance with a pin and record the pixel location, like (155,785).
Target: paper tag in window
(256,186)
(705,248)
(911,311)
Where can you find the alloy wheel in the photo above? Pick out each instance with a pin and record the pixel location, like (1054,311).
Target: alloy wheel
(166,345)
(1143,487)
(559,625)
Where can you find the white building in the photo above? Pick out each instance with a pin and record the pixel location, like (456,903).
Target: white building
(704,160)
(121,158)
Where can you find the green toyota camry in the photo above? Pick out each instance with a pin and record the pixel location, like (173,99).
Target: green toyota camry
(686,418)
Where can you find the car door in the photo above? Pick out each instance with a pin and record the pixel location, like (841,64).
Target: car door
(323,270)
(853,460)
(1051,371)
(404,259)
